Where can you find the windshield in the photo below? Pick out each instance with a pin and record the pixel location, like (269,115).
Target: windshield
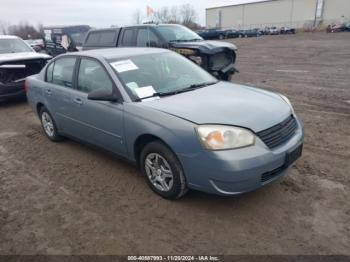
(13,46)
(161,73)
(177,33)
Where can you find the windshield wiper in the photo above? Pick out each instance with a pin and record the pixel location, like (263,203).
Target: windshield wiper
(186,89)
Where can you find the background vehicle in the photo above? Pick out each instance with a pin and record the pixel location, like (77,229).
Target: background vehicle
(287,30)
(216,57)
(155,98)
(272,30)
(62,39)
(250,33)
(232,33)
(212,34)
(17,61)
(37,44)
(344,27)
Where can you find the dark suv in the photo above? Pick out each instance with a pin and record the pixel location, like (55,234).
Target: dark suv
(216,57)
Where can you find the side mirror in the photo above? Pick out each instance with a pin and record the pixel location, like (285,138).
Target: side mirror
(102,95)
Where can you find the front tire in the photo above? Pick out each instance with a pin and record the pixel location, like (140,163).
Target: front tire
(49,126)
(163,171)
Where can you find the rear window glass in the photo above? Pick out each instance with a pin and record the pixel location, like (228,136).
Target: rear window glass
(102,38)
(93,38)
(49,72)
(63,72)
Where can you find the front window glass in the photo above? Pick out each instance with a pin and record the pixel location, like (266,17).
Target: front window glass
(146,37)
(159,73)
(92,76)
(177,33)
(13,46)
(128,37)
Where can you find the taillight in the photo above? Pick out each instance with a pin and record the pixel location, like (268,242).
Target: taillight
(26,86)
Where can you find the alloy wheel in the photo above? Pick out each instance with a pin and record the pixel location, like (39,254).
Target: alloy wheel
(48,124)
(159,172)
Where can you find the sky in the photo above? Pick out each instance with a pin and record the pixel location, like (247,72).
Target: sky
(96,13)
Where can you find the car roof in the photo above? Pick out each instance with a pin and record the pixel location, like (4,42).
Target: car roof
(120,52)
(64,26)
(8,37)
(128,26)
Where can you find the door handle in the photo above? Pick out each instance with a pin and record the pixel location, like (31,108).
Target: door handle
(78,101)
(48,91)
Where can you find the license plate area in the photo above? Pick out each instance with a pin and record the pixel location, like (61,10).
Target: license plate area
(294,155)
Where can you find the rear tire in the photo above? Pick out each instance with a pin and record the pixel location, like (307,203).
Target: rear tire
(49,126)
(163,171)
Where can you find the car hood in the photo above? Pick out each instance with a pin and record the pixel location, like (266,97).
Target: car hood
(228,104)
(22,56)
(207,47)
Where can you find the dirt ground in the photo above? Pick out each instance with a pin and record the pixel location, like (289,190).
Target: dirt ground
(67,198)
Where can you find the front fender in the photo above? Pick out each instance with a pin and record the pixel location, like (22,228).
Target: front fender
(177,133)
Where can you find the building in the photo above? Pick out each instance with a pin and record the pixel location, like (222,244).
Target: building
(292,13)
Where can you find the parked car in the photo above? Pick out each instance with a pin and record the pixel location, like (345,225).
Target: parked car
(344,27)
(212,34)
(217,57)
(287,30)
(272,30)
(181,126)
(62,39)
(17,61)
(37,44)
(232,33)
(250,33)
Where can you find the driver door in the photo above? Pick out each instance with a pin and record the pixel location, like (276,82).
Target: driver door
(102,120)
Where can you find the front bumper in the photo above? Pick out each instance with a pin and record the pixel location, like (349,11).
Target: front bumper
(12,90)
(232,172)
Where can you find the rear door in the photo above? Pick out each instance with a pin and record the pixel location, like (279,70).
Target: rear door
(59,89)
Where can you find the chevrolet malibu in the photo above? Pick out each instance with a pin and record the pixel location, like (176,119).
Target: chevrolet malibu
(182,127)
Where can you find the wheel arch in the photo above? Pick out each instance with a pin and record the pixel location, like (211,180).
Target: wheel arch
(144,139)
(39,106)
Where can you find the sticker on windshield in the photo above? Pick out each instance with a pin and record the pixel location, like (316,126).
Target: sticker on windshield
(124,65)
(145,91)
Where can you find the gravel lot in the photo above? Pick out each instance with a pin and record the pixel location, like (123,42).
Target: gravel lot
(67,198)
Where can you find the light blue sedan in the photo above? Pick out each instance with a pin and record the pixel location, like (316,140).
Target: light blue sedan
(183,128)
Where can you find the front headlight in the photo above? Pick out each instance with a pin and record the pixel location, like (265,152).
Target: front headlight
(219,137)
(288,102)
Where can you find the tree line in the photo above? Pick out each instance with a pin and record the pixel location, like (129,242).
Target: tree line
(184,14)
(24,30)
